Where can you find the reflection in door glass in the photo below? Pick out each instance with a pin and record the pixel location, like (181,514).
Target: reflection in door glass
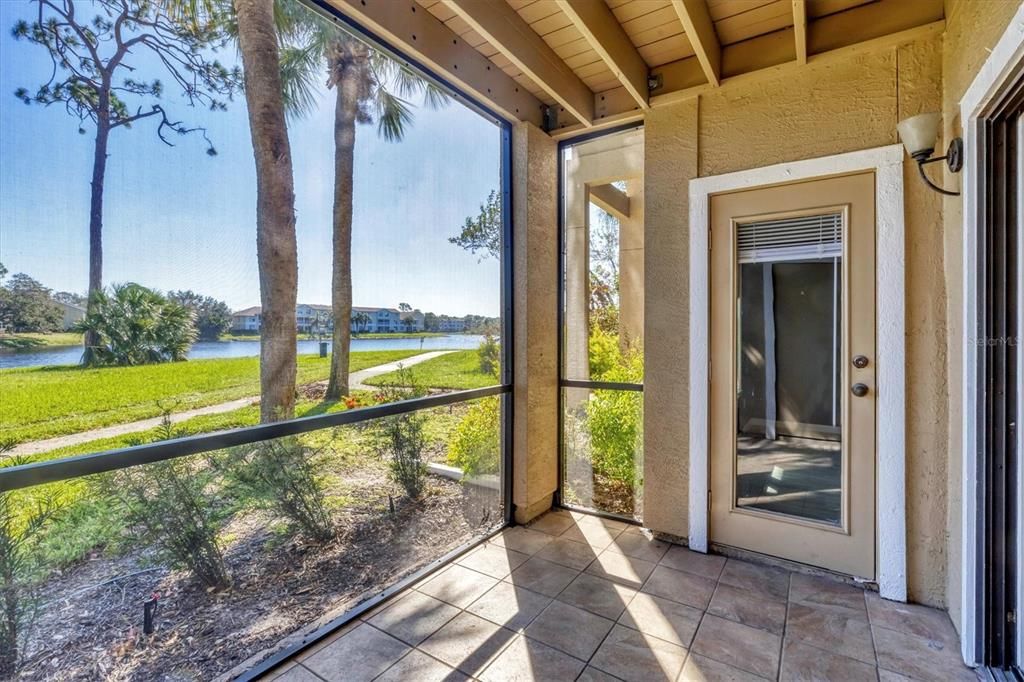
(788,445)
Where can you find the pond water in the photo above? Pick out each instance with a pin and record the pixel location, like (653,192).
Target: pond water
(70,355)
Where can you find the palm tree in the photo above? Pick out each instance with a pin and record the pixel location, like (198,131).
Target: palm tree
(275,205)
(369,86)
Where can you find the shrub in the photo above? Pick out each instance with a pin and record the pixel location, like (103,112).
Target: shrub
(401,438)
(476,444)
(22,522)
(615,421)
(172,506)
(490,355)
(133,325)
(281,475)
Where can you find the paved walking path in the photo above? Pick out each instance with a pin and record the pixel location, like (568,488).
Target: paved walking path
(356,380)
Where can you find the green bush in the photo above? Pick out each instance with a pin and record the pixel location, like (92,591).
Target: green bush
(476,443)
(615,418)
(133,325)
(490,356)
(23,520)
(401,438)
(173,507)
(281,475)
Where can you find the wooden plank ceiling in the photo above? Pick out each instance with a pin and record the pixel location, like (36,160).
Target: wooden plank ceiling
(592,59)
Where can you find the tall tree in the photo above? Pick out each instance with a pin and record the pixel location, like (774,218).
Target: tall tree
(94,77)
(210,316)
(482,234)
(275,206)
(369,87)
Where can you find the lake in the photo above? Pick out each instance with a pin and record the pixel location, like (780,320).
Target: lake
(70,355)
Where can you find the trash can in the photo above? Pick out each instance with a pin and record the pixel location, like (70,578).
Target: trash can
(323,349)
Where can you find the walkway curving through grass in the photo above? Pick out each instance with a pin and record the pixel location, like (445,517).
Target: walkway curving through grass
(43,404)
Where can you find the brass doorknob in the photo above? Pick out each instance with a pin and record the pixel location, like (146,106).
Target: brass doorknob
(859,390)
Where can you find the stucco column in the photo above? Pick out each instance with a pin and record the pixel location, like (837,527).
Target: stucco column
(670,161)
(577,274)
(631,266)
(535,320)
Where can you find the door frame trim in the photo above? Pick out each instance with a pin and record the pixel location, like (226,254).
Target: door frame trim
(994,75)
(890,511)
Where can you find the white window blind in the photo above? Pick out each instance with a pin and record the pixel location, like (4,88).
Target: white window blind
(789,239)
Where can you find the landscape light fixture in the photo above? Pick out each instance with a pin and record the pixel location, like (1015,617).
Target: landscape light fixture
(918,134)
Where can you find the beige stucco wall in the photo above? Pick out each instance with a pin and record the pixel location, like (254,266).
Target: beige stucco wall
(972,29)
(835,106)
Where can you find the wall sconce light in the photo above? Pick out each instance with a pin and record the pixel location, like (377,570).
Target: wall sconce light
(918,134)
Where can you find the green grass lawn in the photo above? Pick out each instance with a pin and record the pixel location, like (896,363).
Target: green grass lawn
(30,341)
(43,402)
(459,370)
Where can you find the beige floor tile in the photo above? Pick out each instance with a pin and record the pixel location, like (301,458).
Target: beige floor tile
(636,657)
(522,539)
(768,581)
(292,672)
(569,629)
(552,523)
(417,666)
(542,576)
(493,560)
(525,660)
(468,643)
(414,617)
(509,606)
(703,669)
(568,553)
(748,608)
(597,595)
(738,645)
(685,588)
(684,559)
(912,619)
(920,658)
(804,663)
(593,532)
(458,585)
(621,568)
(827,594)
(362,654)
(338,634)
(639,545)
(592,674)
(831,630)
(664,619)
(890,676)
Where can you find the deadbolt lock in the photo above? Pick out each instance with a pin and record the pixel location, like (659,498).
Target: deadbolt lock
(859,390)
(860,361)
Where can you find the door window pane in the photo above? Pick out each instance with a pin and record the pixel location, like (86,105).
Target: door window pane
(788,399)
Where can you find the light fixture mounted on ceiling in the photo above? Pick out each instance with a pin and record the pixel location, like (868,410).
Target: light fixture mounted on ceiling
(918,134)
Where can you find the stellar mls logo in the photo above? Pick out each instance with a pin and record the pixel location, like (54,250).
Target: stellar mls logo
(991,341)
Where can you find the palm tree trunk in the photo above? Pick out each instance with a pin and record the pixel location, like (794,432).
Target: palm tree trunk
(275,207)
(345,110)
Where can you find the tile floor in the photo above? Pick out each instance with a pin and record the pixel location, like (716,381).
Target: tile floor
(575,597)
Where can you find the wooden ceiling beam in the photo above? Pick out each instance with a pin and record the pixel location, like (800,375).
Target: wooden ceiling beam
(605,34)
(800,30)
(610,199)
(509,33)
(413,30)
(700,30)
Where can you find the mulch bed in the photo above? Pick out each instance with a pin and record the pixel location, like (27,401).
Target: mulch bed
(90,623)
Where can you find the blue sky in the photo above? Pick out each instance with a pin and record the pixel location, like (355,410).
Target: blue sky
(175,218)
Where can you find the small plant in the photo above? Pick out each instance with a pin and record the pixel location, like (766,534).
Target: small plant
(476,443)
(171,506)
(401,438)
(614,420)
(281,475)
(23,520)
(490,355)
